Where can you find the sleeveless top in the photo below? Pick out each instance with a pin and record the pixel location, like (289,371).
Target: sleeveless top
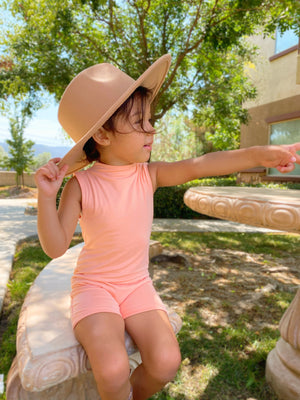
(116,220)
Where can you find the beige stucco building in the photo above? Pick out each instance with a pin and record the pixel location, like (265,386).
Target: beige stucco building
(275,112)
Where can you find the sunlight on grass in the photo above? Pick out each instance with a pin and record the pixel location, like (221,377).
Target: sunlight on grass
(269,243)
(222,359)
(191,383)
(280,299)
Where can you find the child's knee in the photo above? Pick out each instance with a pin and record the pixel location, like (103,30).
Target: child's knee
(165,364)
(171,362)
(112,374)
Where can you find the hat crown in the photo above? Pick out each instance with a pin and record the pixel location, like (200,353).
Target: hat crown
(89,96)
(94,95)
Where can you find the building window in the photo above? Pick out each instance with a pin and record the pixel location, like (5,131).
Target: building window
(285,40)
(286,132)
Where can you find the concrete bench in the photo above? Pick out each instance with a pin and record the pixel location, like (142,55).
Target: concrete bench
(50,363)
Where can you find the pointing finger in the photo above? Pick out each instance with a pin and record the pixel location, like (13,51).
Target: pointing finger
(294,147)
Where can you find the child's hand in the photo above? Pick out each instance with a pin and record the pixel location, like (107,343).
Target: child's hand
(283,157)
(49,178)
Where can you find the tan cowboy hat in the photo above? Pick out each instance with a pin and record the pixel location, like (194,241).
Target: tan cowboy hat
(94,95)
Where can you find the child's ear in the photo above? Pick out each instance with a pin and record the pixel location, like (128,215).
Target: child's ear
(102,137)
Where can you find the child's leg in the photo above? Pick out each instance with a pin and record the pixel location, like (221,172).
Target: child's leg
(102,336)
(155,338)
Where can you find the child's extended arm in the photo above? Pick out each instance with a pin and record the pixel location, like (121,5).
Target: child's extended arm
(224,163)
(56,228)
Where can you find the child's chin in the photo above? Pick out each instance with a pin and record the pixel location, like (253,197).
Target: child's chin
(144,158)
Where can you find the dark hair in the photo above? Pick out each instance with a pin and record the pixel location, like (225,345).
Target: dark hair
(142,94)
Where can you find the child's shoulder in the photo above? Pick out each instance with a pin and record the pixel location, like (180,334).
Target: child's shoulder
(73,182)
(72,188)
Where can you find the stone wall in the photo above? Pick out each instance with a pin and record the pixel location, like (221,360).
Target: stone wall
(8,178)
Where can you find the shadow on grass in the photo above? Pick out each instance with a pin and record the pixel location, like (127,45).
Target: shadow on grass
(220,363)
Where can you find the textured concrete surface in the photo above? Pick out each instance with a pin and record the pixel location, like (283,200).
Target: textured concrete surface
(14,226)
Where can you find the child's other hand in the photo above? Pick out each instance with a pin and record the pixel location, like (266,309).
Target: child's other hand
(283,157)
(49,178)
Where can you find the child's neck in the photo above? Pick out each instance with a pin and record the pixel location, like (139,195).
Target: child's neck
(110,159)
(114,163)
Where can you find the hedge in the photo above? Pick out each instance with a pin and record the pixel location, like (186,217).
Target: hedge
(168,201)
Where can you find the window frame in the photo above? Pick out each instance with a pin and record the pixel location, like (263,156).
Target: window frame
(286,51)
(277,120)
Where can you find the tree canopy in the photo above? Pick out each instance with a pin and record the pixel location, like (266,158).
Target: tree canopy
(50,41)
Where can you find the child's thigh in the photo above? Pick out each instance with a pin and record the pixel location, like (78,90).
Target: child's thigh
(154,336)
(102,337)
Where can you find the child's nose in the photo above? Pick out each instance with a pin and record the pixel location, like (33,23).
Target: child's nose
(151,132)
(149,128)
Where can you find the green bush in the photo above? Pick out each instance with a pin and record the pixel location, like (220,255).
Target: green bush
(168,201)
(60,190)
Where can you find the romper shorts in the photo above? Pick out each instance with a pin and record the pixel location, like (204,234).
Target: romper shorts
(124,299)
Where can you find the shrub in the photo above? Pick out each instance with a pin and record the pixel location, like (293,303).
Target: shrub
(168,201)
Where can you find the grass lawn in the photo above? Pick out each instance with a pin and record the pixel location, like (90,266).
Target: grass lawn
(230,290)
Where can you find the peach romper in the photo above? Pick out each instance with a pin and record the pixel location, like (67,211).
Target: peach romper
(112,269)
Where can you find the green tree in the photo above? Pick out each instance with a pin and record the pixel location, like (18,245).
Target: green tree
(2,154)
(41,159)
(50,41)
(174,140)
(20,155)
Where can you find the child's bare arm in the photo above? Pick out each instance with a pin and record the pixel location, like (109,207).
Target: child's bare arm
(56,228)
(224,163)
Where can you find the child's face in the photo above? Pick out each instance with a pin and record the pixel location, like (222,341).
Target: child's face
(134,143)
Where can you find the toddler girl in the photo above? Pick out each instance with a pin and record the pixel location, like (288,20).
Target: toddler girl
(108,114)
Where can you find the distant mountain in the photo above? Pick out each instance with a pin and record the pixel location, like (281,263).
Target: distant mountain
(55,151)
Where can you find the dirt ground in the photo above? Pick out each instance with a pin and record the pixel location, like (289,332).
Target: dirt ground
(223,284)
(221,291)
(14,192)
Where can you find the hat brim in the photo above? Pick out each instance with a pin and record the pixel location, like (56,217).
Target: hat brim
(152,79)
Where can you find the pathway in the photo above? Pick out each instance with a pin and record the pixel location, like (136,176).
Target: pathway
(14,226)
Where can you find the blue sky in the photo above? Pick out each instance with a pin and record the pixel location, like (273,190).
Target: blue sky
(43,129)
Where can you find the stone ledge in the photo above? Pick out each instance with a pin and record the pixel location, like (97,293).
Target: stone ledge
(267,208)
